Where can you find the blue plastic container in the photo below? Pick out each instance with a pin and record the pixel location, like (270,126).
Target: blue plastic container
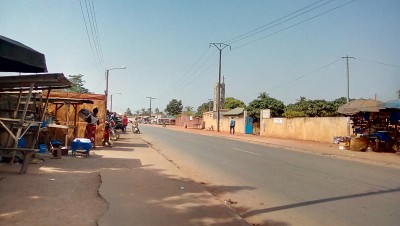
(42,148)
(21,142)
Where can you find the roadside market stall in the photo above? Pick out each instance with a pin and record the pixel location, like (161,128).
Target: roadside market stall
(371,125)
(22,110)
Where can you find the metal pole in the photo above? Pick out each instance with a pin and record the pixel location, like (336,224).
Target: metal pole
(220,47)
(111,103)
(106,92)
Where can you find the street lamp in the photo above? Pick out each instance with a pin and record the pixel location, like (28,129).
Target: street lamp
(111,100)
(106,91)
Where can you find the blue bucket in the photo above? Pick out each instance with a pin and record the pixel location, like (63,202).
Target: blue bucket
(22,142)
(42,148)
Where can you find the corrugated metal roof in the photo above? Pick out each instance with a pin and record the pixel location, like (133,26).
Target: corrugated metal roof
(236,111)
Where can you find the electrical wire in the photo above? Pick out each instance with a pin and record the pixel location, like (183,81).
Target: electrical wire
(296,24)
(251,33)
(96,30)
(87,32)
(302,76)
(377,62)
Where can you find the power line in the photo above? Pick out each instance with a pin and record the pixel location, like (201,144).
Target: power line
(303,21)
(377,62)
(97,33)
(91,29)
(250,33)
(304,75)
(90,42)
(183,75)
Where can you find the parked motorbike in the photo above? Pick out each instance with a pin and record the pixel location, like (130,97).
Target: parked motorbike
(114,134)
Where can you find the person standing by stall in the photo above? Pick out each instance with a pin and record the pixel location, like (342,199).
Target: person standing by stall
(92,123)
(124,122)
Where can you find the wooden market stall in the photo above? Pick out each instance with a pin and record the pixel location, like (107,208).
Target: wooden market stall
(63,110)
(22,112)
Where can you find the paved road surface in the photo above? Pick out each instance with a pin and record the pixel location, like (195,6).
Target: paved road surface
(276,186)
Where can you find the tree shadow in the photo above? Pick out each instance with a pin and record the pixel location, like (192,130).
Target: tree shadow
(318,201)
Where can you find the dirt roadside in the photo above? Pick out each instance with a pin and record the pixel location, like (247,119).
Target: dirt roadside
(128,184)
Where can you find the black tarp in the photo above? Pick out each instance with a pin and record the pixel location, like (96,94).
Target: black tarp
(17,57)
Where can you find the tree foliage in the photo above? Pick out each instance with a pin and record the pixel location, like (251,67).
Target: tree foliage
(174,107)
(77,84)
(204,108)
(232,103)
(265,102)
(314,108)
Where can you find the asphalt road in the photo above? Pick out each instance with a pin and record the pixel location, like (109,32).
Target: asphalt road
(273,186)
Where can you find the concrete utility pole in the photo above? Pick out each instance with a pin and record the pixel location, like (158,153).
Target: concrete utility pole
(348,77)
(348,90)
(151,98)
(220,47)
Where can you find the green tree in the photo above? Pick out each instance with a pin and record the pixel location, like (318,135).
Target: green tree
(144,111)
(232,103)
(398,94)
(157,111)
(174,107)
(314,108)
(188,108)
(137,112)
(77,84)
(276,106)
(263,95)
(204,108)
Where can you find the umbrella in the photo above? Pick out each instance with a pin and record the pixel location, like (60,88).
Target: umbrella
(392,104)
(360,105)
(17,57)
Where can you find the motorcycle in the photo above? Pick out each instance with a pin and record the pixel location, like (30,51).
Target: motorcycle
(114,134)
(135,129)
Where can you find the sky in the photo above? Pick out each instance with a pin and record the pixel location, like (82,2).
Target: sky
(286,48)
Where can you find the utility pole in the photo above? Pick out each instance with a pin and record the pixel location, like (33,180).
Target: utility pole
(151,98)
(348,89)
(348,83)
(220,47)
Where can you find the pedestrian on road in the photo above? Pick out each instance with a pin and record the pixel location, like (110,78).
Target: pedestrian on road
(232,126)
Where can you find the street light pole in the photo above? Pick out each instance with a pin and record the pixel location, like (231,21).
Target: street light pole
(106,91)
(112,100)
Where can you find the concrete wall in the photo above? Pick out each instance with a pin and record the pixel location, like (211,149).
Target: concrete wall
(210,122)
(321,129)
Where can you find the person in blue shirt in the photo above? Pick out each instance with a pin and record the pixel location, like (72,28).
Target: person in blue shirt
(232,126)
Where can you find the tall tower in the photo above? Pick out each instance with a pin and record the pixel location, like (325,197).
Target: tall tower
(222,95)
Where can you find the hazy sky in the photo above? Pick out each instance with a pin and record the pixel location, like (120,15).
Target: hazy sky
(286,48)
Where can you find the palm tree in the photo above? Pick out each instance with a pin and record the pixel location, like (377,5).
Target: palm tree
(188,108)
(302,99)
(263,95)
